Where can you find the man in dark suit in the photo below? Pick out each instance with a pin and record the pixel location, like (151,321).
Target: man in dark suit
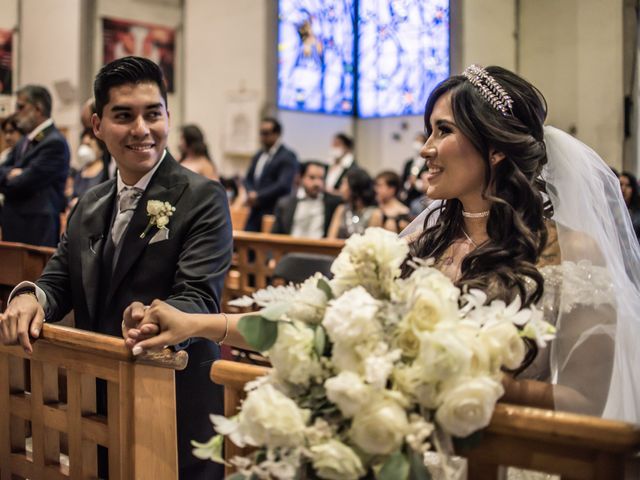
(34,175)
(270,175)
(112,252)
(308,212)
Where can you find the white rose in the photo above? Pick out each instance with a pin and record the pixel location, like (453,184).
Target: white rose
(379,428)
(344,357)
(480,363)
(348,392)
(351,318)
(410,380)
(502,341)
(468,406)
(309,303)
(293,355)
(371,260)
(269,418)
(154,207)
(406,340)
(443,355)
(162,221)
(379,364)
(336,461)
(429,279)
(428,308)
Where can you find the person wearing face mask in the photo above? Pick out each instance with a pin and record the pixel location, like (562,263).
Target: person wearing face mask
(88,164)
(411,188)
(340,163)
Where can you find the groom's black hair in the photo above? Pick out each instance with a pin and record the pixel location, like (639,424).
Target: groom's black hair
(124,71)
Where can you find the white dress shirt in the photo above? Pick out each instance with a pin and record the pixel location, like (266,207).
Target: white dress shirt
(335,171)
(263,160)
(308,219)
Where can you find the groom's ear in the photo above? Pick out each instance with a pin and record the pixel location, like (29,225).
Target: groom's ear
(95,124)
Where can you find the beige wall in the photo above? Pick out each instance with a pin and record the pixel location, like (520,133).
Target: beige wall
(572,51)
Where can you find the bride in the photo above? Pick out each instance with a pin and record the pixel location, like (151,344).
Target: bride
(525,210)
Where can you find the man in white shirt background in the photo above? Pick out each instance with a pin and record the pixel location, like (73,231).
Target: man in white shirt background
(307,212)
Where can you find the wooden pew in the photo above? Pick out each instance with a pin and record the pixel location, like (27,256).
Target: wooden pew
(573,446)
(139,431)
(255,255)
(19,262)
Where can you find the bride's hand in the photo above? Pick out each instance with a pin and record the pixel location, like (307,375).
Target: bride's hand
(161,325)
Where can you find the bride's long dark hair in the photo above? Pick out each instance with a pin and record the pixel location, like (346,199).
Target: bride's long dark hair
(504,265)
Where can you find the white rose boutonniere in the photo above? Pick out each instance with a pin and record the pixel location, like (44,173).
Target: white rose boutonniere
(158,213)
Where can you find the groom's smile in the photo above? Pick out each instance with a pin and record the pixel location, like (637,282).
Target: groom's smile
(134,126)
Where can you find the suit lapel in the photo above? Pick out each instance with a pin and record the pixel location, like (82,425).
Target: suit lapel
(95,222)
(291,214)
(167,185)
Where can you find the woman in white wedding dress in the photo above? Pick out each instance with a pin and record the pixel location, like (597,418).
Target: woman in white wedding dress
(527,211)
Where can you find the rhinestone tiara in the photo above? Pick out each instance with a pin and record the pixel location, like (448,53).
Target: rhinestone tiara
(490,89)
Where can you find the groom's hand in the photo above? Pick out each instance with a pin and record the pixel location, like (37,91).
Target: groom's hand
(131,323)
(23,317)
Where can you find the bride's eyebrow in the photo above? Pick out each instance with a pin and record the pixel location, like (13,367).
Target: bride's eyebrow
(441,122)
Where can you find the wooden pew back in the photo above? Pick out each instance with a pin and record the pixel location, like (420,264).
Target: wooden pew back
(37,411)
(570,445)
(255,256)
(20,262)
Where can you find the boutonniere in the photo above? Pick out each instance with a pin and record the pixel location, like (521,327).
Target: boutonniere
(158,213)
(39,137)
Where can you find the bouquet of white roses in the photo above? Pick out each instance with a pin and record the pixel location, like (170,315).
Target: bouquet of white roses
(370,369)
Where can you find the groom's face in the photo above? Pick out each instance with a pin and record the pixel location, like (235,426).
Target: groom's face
(134,126)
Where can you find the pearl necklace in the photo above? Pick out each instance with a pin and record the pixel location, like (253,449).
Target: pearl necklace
(475,215)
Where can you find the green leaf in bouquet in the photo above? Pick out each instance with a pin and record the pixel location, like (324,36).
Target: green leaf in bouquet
(395,468)
(326,288)
(258,332)
(319,340)
(275,311)
(417,469)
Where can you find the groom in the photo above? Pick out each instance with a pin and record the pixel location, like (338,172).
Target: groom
(104,262)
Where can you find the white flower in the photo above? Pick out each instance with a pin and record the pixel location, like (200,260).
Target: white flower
(379,365)
(293,356)
(269,418)
(419,432)
(443,355)
(351,317)
(499,311)
(318,433)
(158,213)
(428,308)
(212,450)
(468,406)
(336,461)
(379,428)
(348,392)
(266,296)
(410,380)
(309,303)
(345,357)
(538,329)
(503,343)
(405,339)
(371,260)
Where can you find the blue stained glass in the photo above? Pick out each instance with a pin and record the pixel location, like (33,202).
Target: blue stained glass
(403,53)
(315,56)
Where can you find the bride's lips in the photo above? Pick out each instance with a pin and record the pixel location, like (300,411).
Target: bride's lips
(434,171)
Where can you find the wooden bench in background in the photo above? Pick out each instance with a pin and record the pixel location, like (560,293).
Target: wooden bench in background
(570,445)
(255,255)
(139,431)
(19,262)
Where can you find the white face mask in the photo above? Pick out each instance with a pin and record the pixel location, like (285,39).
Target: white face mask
(84,157)
(416,146)
(336,152)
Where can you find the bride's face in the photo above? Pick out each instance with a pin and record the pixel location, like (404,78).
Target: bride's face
(456,168)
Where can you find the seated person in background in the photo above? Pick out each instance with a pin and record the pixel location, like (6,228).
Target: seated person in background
(422,202)
(341,161)
(88,164)
(631,196)
(308,212)
(359,209)
(10,136)
(411,172)
(395,214)
(195,153)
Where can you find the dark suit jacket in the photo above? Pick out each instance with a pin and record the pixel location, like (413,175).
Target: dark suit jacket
(275,182)
(186,270)
(336,185)
(35,199)
(286,209)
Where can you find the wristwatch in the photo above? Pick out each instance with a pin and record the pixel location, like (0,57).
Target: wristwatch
(25,290)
